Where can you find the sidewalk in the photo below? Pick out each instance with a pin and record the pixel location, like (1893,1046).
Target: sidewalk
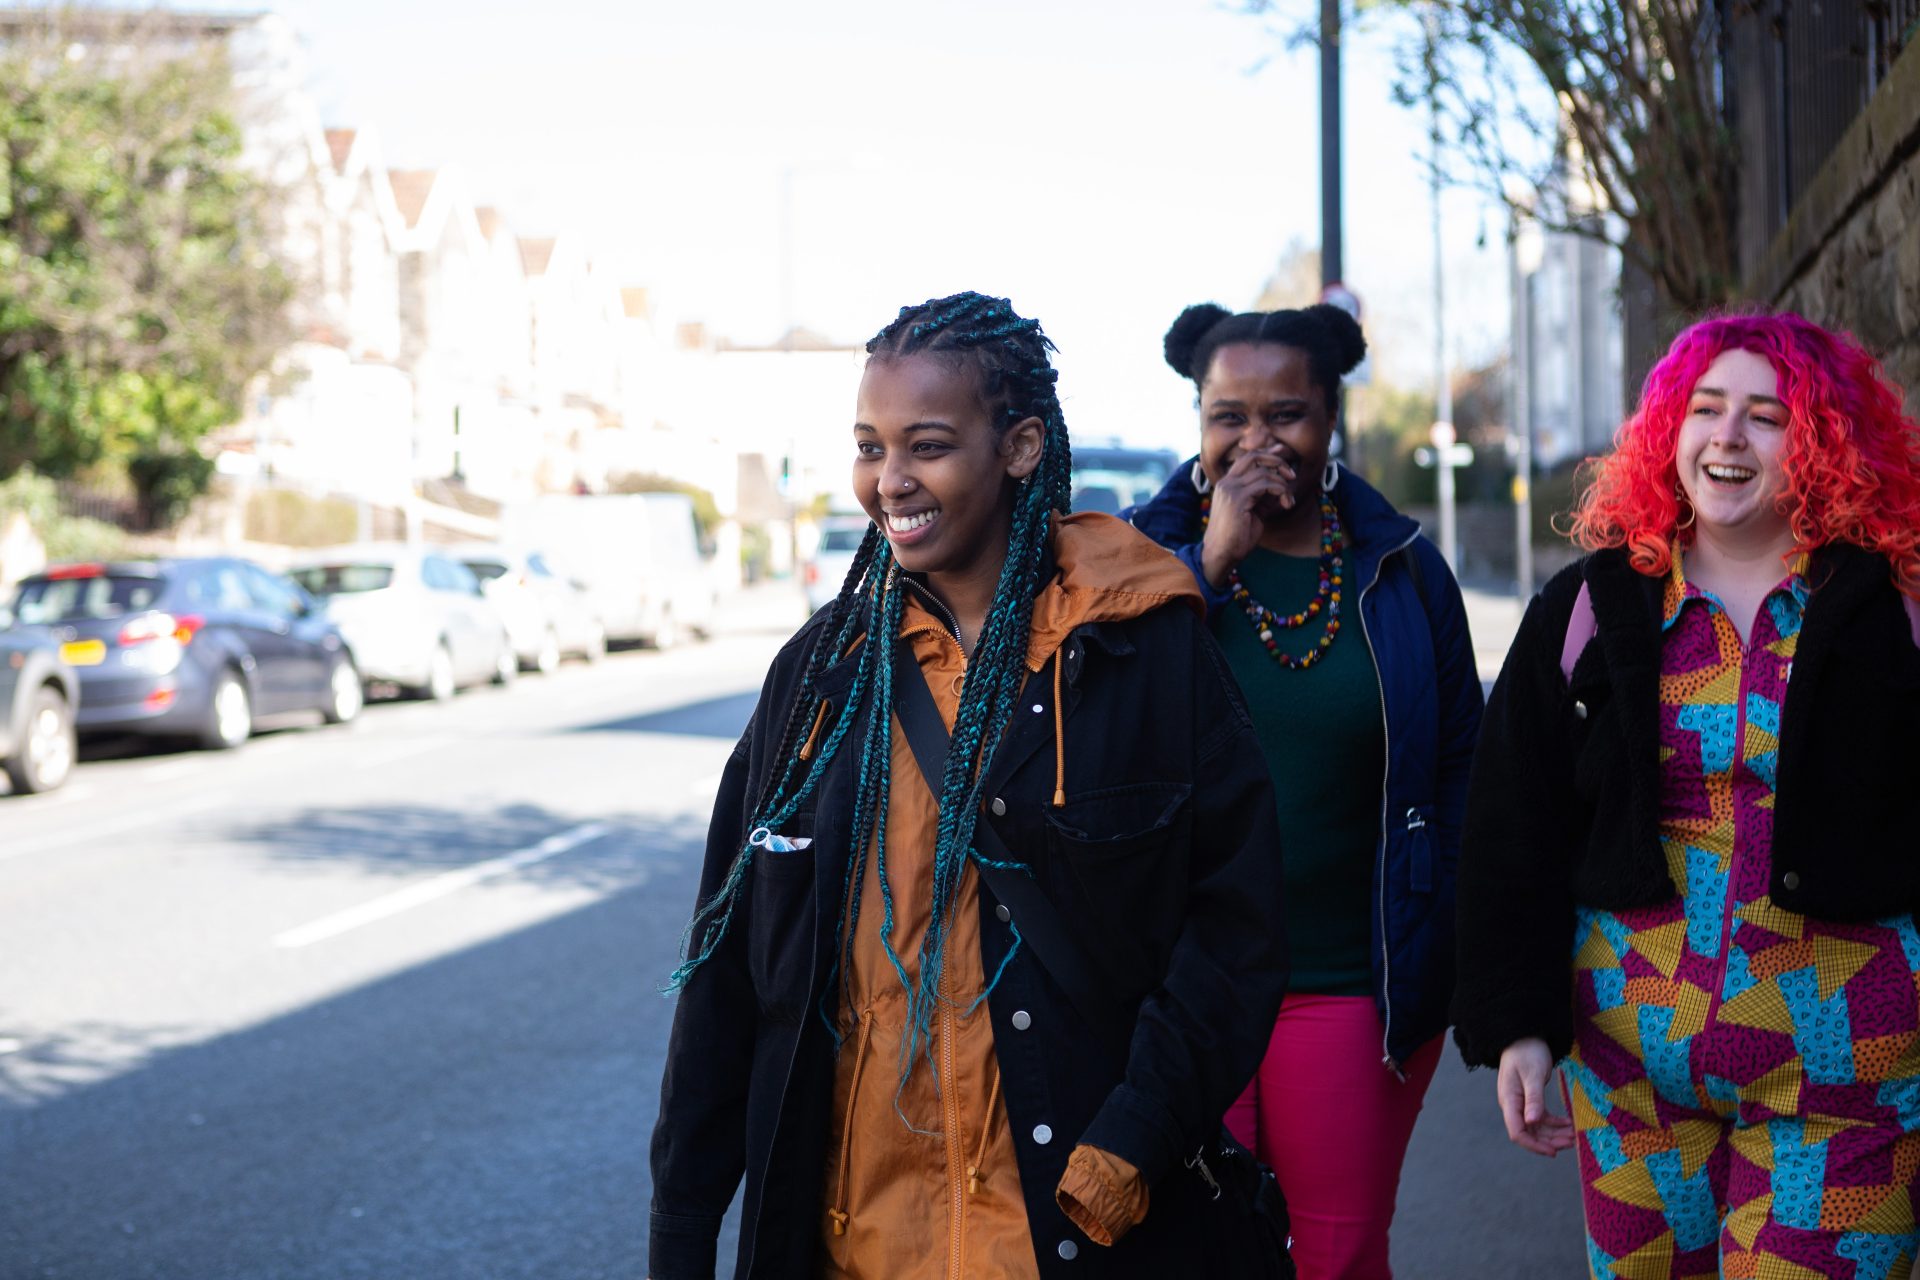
(1493,618)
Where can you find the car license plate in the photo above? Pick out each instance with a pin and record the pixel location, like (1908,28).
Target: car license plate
(84,653)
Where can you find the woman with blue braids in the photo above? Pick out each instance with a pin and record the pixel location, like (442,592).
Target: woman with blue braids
(989,932)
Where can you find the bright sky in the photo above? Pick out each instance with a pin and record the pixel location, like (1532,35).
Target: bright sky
(1102,164)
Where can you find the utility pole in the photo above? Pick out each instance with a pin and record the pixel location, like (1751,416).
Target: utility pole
(1443,431)
(1332,249)
(1520,413)
(1332,268)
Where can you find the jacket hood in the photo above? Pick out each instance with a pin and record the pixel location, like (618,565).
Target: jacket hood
(1372,523)
(1108,572)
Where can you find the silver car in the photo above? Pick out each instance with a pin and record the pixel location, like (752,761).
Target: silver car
(414,616)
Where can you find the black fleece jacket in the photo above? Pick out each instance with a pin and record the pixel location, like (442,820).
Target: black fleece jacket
(1563,806)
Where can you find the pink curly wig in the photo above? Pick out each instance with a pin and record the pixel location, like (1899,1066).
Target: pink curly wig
(1851,457)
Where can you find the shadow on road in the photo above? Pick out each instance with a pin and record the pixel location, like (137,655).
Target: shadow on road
(408,839)
(715,718)
(483,1115)
(37,1067)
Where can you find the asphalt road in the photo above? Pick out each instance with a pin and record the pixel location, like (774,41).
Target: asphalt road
(381,1001)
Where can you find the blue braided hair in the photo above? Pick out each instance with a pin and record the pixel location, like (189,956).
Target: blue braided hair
(1010,358)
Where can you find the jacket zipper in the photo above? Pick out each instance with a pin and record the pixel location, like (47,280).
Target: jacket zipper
(949,1085)
(927,597)
(956,1157)
(1733,868)
(1386,731)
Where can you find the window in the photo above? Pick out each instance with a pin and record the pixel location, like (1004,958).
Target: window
(45,600)
(273,594)
(486,570)
(343,579)
(442,574)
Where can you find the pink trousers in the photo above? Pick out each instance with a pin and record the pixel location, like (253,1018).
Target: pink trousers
(1334,1124)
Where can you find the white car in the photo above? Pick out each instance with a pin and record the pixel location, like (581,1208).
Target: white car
(413,616)
(638,555)
(832,556)
(548,616)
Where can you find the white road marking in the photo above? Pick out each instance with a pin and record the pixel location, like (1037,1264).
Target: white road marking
(48,800)
(439,886)
(171,769)
(398,751)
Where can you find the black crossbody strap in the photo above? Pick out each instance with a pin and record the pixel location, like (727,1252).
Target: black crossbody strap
(1033,913)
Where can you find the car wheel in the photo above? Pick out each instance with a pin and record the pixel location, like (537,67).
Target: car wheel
(596,647)
(440,683)
(47,754)
(345,693)
(547,660)
(667,634)
(229,713)
(506,667)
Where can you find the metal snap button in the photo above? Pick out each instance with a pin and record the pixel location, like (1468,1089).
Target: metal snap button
(1579,710)
(1069,1250)
(1042,1134)
(1037,708)
(1001,913)
(1791,880)
(999,807)
(1021,1019)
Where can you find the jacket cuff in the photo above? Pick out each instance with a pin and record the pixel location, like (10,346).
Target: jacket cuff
(682,1247)
(1101,1194)
(1139,1130)
(1483,1034)
(1216,597)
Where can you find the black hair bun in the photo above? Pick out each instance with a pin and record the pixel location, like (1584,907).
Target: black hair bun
(1183,338)
(1349,344)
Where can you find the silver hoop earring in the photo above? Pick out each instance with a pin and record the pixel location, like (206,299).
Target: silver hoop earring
(1201,484)
(1331,476)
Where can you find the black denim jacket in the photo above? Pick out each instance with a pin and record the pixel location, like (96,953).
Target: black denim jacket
(1167,861)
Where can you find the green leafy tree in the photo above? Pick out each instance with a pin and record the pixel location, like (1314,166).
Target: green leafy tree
(139,286)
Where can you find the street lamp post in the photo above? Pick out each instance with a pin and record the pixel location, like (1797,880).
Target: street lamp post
(1443,432)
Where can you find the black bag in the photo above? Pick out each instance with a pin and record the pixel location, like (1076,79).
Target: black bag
(1246,1190)
(1229,1176)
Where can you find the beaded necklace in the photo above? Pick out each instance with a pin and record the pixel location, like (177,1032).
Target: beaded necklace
(1326,598)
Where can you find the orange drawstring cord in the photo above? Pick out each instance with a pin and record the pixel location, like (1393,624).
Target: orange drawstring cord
(813,735)
(820,716)
(986,1127)
(841,1216)
(1059,739)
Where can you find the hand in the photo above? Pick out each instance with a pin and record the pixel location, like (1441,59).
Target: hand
(1521,1089)
(1257,485)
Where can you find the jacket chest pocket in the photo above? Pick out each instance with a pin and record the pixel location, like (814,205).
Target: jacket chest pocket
(1118,857)
(780,930)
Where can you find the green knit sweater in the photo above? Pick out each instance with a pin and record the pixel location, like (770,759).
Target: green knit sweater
(1324,738)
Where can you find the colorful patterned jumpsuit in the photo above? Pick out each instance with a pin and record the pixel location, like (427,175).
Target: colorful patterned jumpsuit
(1745,1081)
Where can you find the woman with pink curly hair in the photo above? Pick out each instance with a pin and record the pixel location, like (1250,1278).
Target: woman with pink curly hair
(1688,873)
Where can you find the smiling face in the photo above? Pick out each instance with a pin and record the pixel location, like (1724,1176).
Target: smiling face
(1729,449)
(932,472)
(1262,396)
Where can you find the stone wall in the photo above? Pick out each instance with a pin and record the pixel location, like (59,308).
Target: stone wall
(1849,256)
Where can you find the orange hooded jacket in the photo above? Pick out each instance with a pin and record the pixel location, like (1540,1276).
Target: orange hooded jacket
(922,1183)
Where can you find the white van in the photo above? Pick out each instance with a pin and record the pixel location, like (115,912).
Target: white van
(637,556)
